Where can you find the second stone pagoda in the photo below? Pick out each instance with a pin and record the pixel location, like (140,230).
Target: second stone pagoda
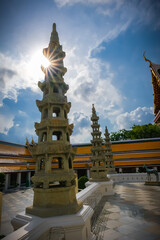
(98,159)
(54,179)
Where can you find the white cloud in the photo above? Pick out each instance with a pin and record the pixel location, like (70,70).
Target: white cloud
(138,116)
(98,50)
(6,122)
(90,81)
(81,131)
(137,11)
(18,74)
(22,113)
(62,3)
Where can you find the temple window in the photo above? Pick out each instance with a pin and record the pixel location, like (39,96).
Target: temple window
(44,137)
(45,113)
(70,163)
(42,164)
(55,89)
(60,163)
(56,112)
(67,137)
(56,136)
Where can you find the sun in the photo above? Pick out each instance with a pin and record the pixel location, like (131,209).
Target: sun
(34,62)
(49,63)
(39,59)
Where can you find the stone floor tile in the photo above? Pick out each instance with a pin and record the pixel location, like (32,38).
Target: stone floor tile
(126,219)
(149,207)
(114,216)
(155,228)
(113,224)
(145,235)
(127,237)
(126,229)
(111,234)
(114,209)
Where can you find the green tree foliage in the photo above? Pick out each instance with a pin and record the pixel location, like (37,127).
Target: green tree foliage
(137,132)
(2,180)
(81,182)
(120,135)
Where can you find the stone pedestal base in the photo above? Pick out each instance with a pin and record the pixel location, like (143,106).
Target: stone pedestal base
(98,176)
(68,227)
(51,202)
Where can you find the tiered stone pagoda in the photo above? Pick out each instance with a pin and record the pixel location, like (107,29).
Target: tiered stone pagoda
(54,188)
(108,153)
(99,164)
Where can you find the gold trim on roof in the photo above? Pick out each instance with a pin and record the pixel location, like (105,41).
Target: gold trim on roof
(147,60)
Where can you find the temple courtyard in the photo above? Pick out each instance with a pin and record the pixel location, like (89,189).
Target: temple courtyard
(132,213)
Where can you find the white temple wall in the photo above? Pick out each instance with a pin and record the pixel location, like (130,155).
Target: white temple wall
(131,177)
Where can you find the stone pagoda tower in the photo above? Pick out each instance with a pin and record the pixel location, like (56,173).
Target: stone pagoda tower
(108,153)
(54,187)
(99,164)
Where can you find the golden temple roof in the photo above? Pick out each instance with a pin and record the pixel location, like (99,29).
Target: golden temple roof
(155,73)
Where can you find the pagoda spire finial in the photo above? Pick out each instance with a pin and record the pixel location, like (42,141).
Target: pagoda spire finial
(27,142)
(93,109)
(54,35)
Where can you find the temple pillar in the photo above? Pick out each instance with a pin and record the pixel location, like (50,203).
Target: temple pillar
(88,173)
(29,177)
(6,182)
(19,179)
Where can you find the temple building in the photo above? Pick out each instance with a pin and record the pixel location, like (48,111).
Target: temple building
(155,73)
(54,188)
(129,157)
(98,158)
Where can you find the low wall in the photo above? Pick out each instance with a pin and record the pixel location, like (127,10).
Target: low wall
(91,195)
(94,191)
(131,177)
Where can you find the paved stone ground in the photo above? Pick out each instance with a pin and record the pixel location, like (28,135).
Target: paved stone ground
(133,213)
(14,202)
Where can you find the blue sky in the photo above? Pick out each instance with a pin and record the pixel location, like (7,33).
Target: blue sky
(104,41)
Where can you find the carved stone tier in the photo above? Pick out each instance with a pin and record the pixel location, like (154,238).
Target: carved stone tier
(50,148)
(98,176)
(54,180)
(54,99)
(52,122)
